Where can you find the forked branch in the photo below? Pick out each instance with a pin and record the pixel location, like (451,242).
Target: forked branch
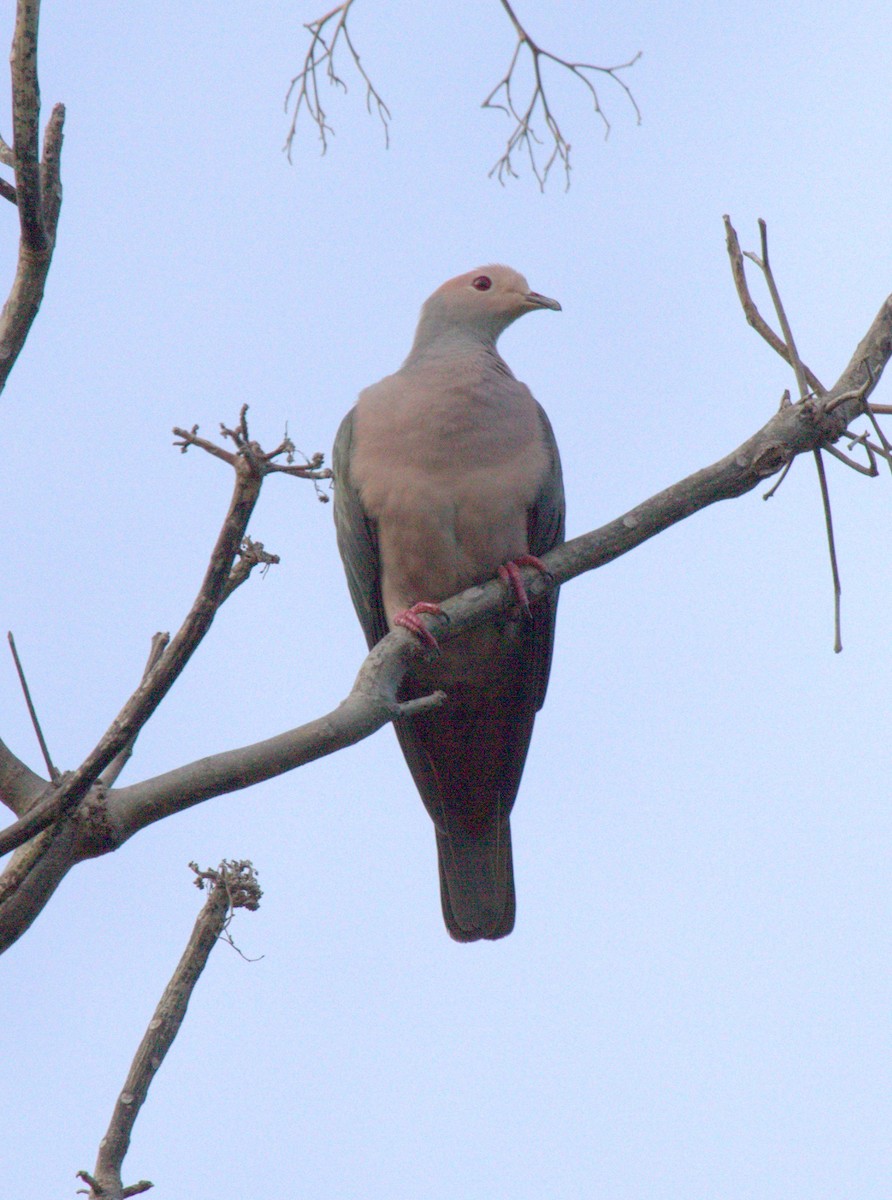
(543,154)
(325,34)
(251,465)
(805,379)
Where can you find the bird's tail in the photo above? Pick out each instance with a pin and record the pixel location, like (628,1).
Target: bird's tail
(477,882)
(467,757)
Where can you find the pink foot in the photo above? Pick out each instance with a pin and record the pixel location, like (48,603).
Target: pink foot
(510,574)
(408,618)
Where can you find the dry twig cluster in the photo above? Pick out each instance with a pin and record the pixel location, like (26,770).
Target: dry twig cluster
(543,153)
(523,137)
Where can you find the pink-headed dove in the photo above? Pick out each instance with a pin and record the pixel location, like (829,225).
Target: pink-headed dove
(445,472)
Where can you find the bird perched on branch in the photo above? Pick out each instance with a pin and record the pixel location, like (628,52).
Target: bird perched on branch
(447,474)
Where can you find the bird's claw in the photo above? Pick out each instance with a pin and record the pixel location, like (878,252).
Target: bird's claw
(510,574)
(409,619)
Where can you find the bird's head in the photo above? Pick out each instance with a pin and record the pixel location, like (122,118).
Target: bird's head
(481,303)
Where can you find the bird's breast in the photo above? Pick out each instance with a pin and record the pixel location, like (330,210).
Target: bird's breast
(448,469)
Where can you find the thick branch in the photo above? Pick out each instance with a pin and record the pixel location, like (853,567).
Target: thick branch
(20,787)
(370,705)
(38,190)
(26,125)
(33,874)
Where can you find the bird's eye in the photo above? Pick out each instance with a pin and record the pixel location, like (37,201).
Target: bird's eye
(482,283)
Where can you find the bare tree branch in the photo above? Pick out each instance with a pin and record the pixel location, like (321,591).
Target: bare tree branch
(20,787)
(250,465)
(38,190)
(523,138)
(159,644)
(325,32)
(233,885)
(789,352)
(32,711)
(753,316)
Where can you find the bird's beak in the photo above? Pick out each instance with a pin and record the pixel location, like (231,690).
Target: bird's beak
(534,300)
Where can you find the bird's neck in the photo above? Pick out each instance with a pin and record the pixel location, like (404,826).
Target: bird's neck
(431,346)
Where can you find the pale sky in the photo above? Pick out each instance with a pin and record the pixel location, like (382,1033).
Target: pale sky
(696,1002)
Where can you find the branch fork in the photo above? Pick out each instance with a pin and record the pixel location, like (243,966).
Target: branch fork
(523,137)
(830,416)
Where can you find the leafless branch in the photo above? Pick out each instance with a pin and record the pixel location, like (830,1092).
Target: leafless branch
(792,353)
(232,885)
(523,137)
(250,468)
(159,644)
(32,712)
(804,378)
(311,469)
(20,787)
(325,32)
(38,190)
(753,316)
(831,544)
(250,555)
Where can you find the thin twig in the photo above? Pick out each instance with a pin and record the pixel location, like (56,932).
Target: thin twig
(870,411)
(861,440)
(783,475)
(803,378)
(765,264)
(250,555)
(524,137)
(325,32)
(828,520)
(751,312)
(112,772)
(44,750)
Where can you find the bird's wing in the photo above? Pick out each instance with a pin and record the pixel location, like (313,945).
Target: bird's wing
(545,530)
(357,539)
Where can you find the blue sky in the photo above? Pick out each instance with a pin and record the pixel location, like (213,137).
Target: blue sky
(696,999)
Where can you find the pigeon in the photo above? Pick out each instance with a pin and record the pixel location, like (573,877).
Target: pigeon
(447,474)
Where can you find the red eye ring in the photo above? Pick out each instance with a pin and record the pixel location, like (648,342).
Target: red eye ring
(482,283)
